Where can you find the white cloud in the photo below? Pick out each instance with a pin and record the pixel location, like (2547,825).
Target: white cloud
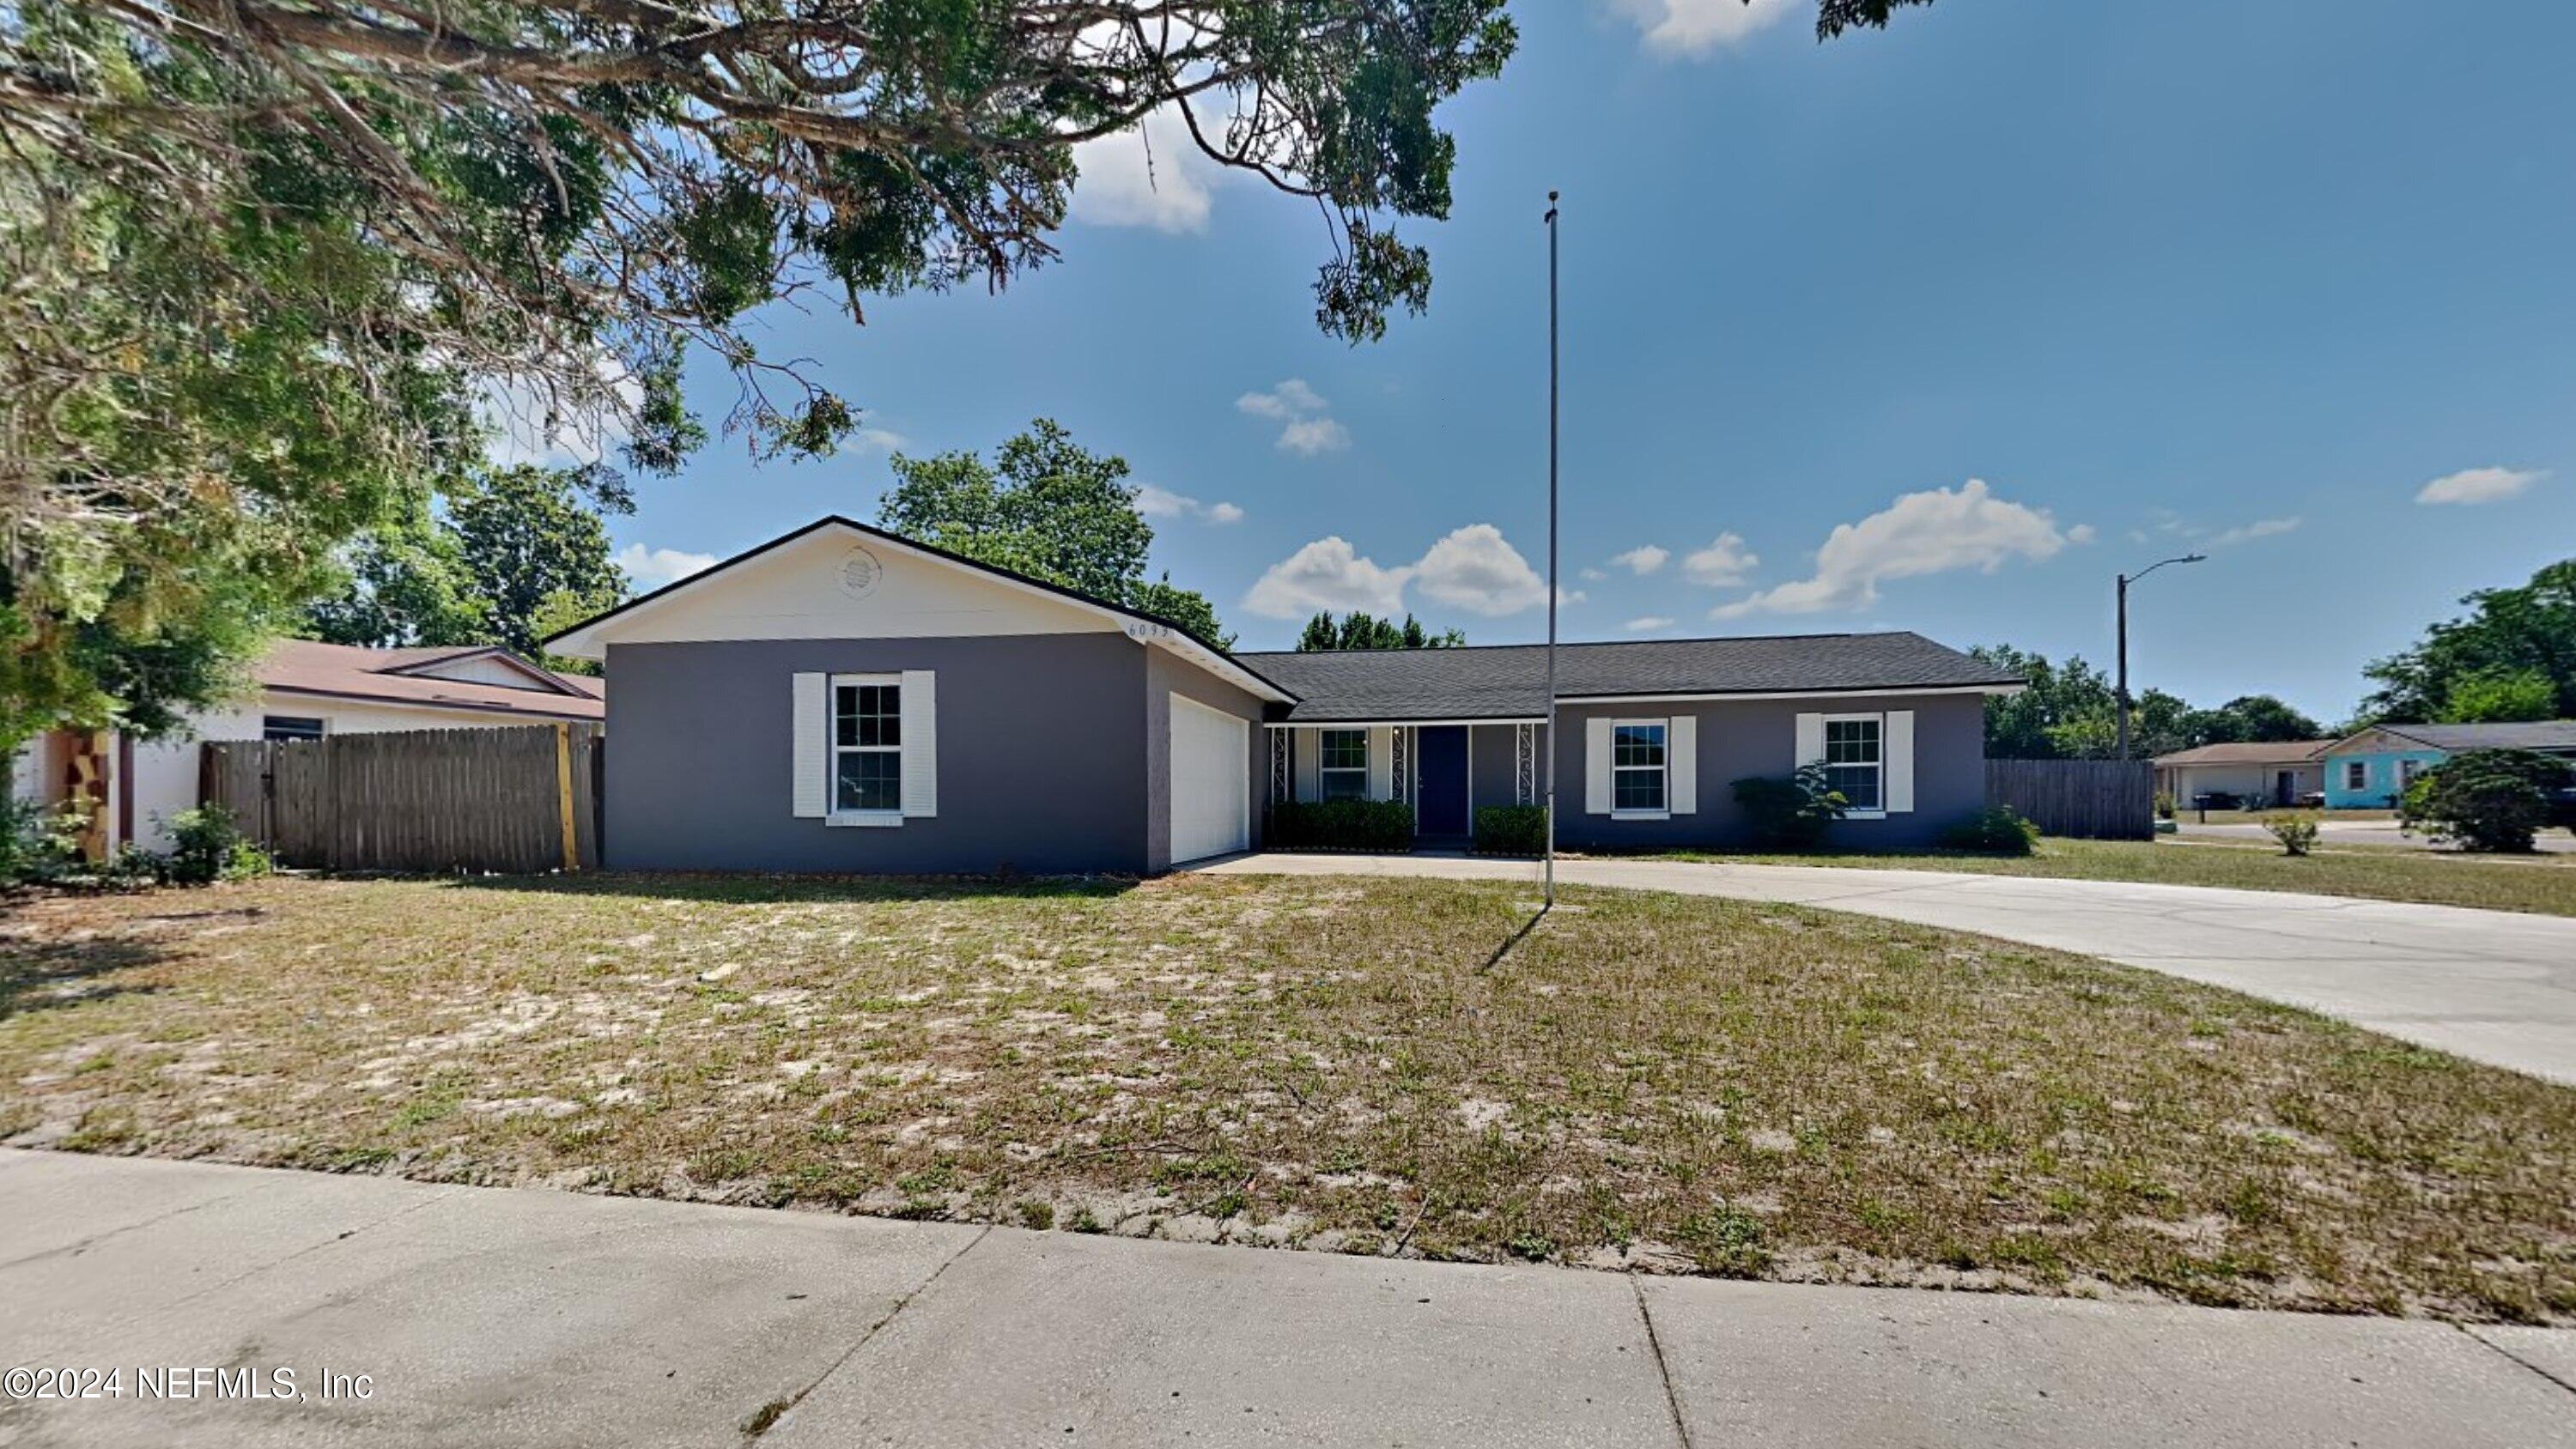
(1475,568)
(1308,428)
(883,440)
(651,568)
(1310,436)
(1725,563)
(1932,532)
(1152,175)
(1649,623)
(2247,533)
(1697,27)
(524,431)
(1326,574)
(1642,560)
(2480,485)
(1154,502)
(2082,533)
(1291,398)
(1591,576)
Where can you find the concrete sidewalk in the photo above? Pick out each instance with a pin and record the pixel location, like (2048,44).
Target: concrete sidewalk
(2494,986)
(491,1317)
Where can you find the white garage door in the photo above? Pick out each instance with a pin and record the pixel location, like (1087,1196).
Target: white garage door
(1211,781)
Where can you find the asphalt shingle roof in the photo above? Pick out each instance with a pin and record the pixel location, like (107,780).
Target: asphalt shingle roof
(1510,681)
(2547,734)
(2273,752)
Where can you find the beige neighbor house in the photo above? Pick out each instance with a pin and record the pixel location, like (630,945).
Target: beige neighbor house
(303,691)
(2284,772)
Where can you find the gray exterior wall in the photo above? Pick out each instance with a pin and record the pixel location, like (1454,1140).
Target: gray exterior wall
(1166,675)
(1760,737)
(1490,764)
(1042,757)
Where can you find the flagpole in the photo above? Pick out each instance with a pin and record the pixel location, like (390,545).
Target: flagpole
(1550,854)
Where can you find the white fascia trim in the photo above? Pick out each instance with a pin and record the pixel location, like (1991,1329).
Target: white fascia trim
(1164,636)
(1826,694)
(1361,724)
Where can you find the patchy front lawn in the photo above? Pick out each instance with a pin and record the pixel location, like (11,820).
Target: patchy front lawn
(2541,883)
(1658,1081)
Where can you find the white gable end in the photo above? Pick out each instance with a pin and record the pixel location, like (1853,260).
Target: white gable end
(838,584)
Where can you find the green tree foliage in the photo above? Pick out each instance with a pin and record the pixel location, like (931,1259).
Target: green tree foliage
(515,554)
(1357,630)
(1049,508)
(2071,712)
(2508,635)
(2485,799)
(2500,696)
(266,258)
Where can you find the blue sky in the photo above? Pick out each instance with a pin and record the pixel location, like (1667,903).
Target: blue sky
(1937,328)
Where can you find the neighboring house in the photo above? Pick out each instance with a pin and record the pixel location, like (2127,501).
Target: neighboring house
(2284,772)
(2372,768)
(841,699)
(305,690)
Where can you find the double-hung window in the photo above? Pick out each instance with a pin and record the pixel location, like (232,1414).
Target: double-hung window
(1639,767)
(2356,774)
(289,727)
(1343,767)
(1856,759)
(867,745)
(2407,770)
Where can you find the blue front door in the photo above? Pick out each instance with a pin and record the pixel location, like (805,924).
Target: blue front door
(1440,780)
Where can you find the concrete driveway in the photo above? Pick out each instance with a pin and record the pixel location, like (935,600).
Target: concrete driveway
(2490,985)
(530,1318)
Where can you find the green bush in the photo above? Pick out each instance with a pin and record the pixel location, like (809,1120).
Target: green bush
(35,843)
(2295,832)
(1511,830)
(208,846)
(2494,800)
(1341,825)
(2164,804)
(1790,814)
(1995,830)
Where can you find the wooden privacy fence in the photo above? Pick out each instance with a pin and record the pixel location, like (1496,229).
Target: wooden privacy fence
(2094,799)
(517,798)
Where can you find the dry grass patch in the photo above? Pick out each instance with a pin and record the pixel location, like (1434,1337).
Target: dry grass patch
(1654,1081)
(2545,884)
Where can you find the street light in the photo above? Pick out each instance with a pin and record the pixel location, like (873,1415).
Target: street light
(2125,581)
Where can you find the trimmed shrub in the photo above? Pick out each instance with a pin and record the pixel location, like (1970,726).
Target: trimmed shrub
(36,842)
(2164,804)
(1793,813)
(207,845)
(1383,825)
(2493,800)
(2295,832)
(1511,830)
(1995,830)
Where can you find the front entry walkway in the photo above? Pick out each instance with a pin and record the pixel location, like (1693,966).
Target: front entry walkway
(2488,985)
(499,1318)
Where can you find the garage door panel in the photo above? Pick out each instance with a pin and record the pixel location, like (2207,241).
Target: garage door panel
(1211,784)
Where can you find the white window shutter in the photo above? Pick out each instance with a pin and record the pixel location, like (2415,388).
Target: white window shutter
(1811,740)
(1681,753)
(809,748)
(1899,747)
(920,744)
(1381,757)
(1596,765)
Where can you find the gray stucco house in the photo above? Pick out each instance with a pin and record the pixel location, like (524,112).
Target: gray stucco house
(841,699)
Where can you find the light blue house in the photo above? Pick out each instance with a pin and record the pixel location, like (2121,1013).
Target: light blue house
(2369,770)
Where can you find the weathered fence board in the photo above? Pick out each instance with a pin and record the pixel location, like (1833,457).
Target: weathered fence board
(507,799)
(2092,799)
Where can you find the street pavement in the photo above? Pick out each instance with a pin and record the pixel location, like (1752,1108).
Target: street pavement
(497,1317)
(2493,986)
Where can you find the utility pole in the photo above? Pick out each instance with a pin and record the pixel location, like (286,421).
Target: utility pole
(2123,692)
(1550,766)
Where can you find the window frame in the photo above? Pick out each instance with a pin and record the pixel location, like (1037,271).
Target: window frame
(268,724)
(1878,765)
(2356,775)
(835,813)
(1662,770)
(1324,771)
